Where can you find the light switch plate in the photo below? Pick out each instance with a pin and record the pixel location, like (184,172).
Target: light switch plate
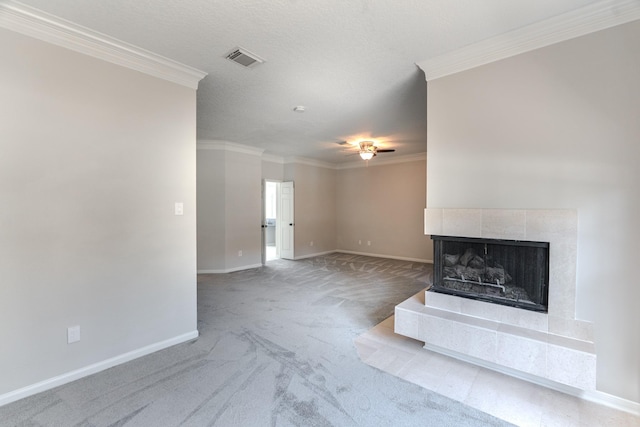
(73,334)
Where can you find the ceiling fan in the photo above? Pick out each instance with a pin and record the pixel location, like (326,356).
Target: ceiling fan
(367,149)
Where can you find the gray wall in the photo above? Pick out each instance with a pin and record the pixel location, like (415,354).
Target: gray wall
(315,208)
(557,128)
(211,196)
(273,171)
(229,209)
(243,210)
(331,208)
(383,204)
(93,157)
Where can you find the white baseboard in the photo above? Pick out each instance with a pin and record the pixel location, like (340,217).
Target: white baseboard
(611,401)
(427,261)
(247,267)
(590,395)
(312,255)
(59,380)
(230,270)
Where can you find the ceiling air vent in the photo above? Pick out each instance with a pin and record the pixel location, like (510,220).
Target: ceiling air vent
(244,57)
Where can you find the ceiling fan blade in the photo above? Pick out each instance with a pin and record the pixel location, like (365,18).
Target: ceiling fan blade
(387,150)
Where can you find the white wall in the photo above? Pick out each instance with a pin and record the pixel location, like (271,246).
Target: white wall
(93,157)
(557,128)
(383,204)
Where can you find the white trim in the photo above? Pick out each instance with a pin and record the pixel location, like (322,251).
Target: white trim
(36,23)
(312,255)
(297,258)
(384,161)
(357,164)
(59,380)
(611,401)
(212,144)
(309,162)
(273,159)
(401,258)
(591,18)
(590,395)
(230,270)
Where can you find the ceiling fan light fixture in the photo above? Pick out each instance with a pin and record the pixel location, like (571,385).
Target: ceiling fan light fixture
(366,155)
(367,150)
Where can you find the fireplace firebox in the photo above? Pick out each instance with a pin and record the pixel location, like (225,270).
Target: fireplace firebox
(507,272)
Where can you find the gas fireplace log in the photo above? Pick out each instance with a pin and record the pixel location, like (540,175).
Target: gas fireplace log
(469,254)
(477,262)
(488,285)
(496,275)
(463,273)
(471,274)
(451,260)
(449,272)
(475,270)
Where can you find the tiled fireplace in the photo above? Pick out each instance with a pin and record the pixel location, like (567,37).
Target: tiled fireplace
(552,348)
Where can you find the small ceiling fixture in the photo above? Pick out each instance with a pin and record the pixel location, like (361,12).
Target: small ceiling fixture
(299,109)
(368,150)
(243,57)
(367,154)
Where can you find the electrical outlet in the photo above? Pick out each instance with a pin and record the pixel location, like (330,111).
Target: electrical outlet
(73,334)
(240,253)
(368,242)
(178,208)
(311,244)
(359,242)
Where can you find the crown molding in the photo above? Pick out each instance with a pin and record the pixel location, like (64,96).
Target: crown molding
(338,166)
(591,18)
(309,162)
(273,159)
(383,162)
(36,23)
(213,144)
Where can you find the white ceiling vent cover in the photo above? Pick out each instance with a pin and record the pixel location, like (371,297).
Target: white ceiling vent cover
(244,57)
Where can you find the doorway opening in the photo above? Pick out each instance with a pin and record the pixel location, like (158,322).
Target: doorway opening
(271,220)
(277,220)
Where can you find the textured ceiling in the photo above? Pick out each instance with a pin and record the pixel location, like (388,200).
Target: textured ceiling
(350,63)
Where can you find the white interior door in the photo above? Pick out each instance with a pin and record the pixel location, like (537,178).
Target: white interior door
(286,220)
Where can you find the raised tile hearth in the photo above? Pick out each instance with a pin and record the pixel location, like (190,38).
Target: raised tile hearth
(552,348)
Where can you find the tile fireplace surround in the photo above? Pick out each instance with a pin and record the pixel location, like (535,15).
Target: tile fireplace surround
(553,349)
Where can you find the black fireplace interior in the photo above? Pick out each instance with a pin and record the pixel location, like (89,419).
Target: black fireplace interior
(507,272)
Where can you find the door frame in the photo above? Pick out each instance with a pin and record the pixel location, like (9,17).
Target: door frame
(286,220)
(279,226)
